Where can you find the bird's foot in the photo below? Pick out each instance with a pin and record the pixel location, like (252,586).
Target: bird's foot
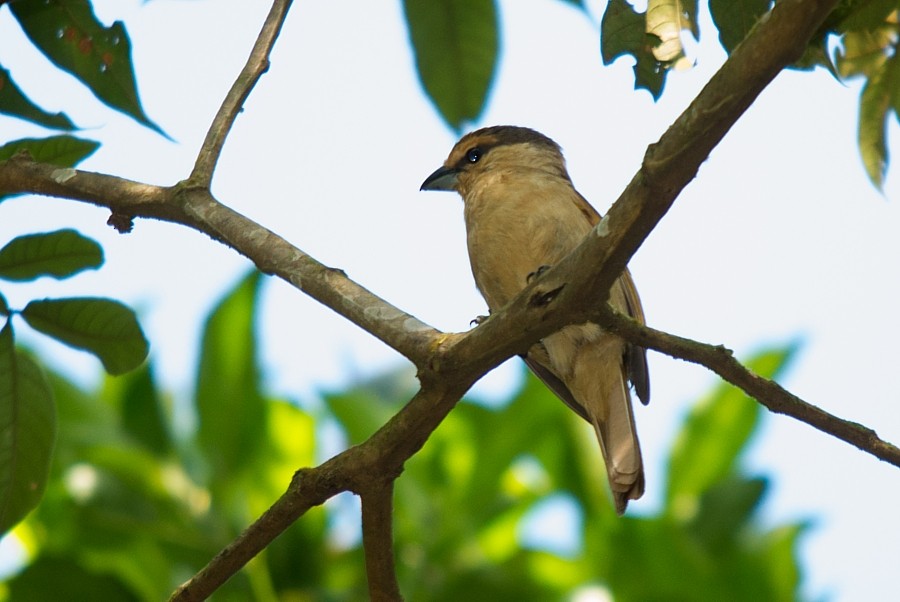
(479,320)
(536,274)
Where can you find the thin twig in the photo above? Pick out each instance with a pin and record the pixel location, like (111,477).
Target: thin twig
(256,65)
(378,540)
(767,392)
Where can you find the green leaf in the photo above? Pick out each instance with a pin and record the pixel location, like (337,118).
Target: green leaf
(864,52)
(143,411)
(27,432)
(689,13)
(50,575)
(104,327)
(864,14)
(14,102)
(59,254)
(69,34)
(735,18)
(65,151)
(779,553)
(725,508)
(623,31)
(714,435)
(4,306)
(231,408)
(455,43)
(817,54)
(367,405)
(874,104)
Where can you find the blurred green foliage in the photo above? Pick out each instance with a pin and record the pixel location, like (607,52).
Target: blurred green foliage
(137,502)
(100,326)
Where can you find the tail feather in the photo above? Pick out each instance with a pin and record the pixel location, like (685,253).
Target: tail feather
(587,372)
(619,444)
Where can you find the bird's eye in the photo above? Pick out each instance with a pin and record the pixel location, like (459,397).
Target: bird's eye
(474,155)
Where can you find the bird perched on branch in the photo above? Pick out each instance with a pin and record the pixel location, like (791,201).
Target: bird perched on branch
(523,215)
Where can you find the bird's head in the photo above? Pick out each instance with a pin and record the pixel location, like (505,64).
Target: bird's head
(502,147)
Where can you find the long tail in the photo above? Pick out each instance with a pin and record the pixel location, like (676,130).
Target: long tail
(588,374)
(619,445)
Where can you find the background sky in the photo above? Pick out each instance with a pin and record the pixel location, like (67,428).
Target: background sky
(780,237)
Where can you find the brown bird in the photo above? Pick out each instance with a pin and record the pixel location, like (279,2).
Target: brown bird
(523,215)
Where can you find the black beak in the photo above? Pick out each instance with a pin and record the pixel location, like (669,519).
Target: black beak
(443,178)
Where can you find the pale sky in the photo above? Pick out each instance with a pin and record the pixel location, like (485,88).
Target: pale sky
(779,238)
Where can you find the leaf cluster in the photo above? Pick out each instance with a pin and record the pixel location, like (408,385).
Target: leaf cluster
(868,36)
(133,505)
(69,35)
(103,327)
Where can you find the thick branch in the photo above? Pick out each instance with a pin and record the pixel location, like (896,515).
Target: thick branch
(257,64)
(767,392)
(378,540)
(669,165)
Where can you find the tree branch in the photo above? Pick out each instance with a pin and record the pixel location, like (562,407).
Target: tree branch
(198,209)
(767,392)
(257,64)
(351,470)
(308,488)
(448,363)
(779,39)
(378,539)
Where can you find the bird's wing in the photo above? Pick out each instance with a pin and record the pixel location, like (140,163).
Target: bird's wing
(635,360)
(538,362)
(635,357)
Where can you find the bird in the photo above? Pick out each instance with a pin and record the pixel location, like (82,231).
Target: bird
(522,215)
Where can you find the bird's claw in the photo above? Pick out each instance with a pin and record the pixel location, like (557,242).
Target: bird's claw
(536,274)
(479,320)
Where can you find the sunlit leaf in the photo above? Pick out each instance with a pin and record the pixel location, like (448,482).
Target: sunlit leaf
(27,432)
(667,19)
(623,31)
(14,102)
(864,52)
(69,34)
(59,254)
(456,47)
(714,435)
(106,328)
(874,104)
(735,18)
(779,553)
(231,408)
